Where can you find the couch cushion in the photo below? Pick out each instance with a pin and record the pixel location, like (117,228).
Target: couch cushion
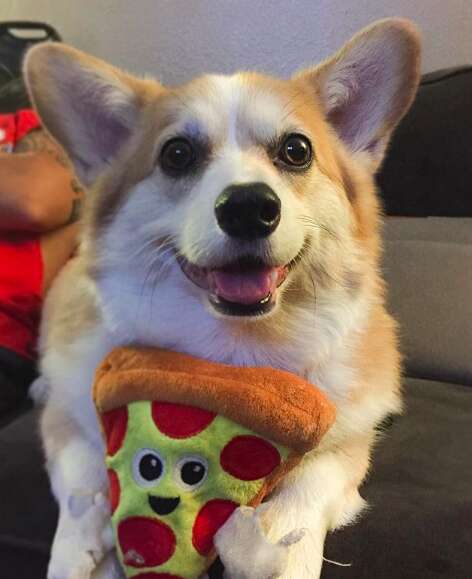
(428,268)
(428,168)
(419,491)
(27,509)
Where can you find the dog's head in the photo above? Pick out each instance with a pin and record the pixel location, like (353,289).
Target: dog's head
(233,201)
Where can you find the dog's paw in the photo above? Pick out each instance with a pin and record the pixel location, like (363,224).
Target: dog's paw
(245,550)
(82,538)
(39,391)
(70,565)
(109,568)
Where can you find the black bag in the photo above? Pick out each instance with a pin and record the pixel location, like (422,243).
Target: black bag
(12,46)
(13,94)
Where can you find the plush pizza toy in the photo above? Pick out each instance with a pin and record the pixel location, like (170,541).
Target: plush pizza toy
(188,441)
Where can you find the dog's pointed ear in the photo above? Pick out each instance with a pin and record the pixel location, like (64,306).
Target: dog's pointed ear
(367,87)
(88,106)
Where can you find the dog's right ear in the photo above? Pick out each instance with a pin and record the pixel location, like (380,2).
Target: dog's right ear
(367,87)
(88,106)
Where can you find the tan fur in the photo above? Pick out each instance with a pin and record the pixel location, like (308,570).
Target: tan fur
(330,325)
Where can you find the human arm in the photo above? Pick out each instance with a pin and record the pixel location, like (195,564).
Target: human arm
(38,191)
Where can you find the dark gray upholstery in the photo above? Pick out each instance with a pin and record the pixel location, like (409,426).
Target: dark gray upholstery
(420,494)
(427,171)
(27,510)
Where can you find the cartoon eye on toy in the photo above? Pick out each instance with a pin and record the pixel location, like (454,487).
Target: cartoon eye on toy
(222,443)
(148,467)
(190,472)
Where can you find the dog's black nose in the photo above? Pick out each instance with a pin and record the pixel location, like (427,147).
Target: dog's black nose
(248,211)
(163,505)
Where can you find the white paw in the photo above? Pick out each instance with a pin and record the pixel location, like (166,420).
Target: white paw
(38,391)
(82,538)
(109,568)
(245,550)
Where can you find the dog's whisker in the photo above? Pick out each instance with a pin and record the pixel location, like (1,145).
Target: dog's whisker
(166,255)
(157,243)
(157,257)
(311,223)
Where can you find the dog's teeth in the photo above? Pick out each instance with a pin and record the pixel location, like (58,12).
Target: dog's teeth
(266,299)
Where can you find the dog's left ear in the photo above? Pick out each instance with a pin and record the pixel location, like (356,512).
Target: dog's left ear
(90,107)
(367,87)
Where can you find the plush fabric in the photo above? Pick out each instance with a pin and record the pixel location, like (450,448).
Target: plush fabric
(274,403)
(185,449)
(238,468)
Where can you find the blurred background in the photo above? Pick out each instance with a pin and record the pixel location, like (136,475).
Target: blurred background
(178,39)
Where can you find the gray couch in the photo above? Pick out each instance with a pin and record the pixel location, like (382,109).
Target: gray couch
(420,489)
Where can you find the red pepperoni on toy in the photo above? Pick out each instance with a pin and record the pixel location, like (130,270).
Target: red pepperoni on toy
(115,423)
(249,457)
(209,519)
(114,490)
(152,575)
(180,420)
(145,542)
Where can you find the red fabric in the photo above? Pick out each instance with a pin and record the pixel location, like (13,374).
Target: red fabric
(21,265)
(180,420)
(115,423)
(15,126)
(115,489)
(26,121)
(209,519)
(145,542)
(7,133)
(21,278)
(249,457)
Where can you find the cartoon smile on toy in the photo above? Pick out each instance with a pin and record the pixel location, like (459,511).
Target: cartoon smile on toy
(196,469)
(163,506)
(191,472)
(177,470)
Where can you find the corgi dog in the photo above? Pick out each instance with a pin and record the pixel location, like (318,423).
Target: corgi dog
(234,218)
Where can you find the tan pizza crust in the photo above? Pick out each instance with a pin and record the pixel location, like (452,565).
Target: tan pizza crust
(276,404)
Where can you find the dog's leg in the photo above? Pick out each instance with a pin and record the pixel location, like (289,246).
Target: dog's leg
(78,481)
(320,495)
(109,568)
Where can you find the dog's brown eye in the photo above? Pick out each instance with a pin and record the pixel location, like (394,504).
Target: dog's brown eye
(296,151)
(177,156)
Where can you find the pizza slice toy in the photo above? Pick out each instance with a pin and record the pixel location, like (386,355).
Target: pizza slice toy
(188,441)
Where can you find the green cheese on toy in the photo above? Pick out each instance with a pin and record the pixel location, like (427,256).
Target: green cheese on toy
(188,441)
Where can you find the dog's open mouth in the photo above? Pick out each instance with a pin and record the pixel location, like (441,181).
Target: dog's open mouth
(246,287)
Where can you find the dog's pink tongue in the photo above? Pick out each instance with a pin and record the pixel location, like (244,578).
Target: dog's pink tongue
(244,288)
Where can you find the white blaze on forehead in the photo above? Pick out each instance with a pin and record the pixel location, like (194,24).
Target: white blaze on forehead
(229,93)
(251,112)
